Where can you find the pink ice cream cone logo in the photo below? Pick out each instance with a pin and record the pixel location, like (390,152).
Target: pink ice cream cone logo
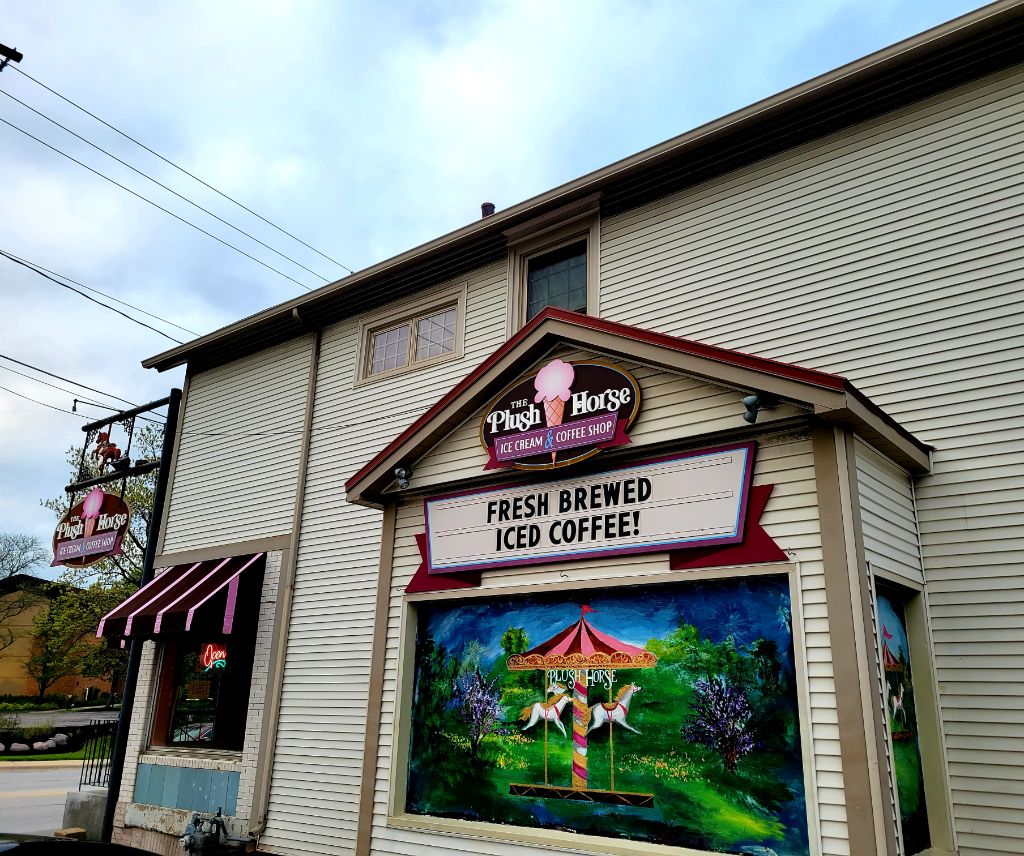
(91,509)
(552,384)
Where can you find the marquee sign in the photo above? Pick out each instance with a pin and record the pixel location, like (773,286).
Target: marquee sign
(91,530)
(697,499)
(565,413)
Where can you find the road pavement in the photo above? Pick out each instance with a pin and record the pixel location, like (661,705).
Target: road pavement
(63,718)
(32,798)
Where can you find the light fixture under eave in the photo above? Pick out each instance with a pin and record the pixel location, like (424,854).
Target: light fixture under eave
(403,474)
(758,401)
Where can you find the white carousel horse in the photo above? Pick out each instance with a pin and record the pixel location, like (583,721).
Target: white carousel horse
(551,710)
(897,706)
(614,711)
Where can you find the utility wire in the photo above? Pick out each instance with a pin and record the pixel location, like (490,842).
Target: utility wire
(60,388)
(154,204)
(13,257)
(81,416)
(179,168)
(34,269)
(73,392)
(74,383)
(164,186)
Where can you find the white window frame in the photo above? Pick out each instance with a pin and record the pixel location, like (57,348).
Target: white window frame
(580,221)
(409,313)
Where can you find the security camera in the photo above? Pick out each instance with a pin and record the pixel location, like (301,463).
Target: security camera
(403,474)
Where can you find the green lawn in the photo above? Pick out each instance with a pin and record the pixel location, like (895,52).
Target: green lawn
(77,755)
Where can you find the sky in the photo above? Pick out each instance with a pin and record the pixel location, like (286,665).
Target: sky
(747,609)
(362,128)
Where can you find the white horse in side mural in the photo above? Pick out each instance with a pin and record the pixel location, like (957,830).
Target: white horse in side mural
(614,711)
(896,702)
(550,710)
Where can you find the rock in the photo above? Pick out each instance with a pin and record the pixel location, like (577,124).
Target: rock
(2,748)
(60,739)
(19,747)
(51,744)
(39,746)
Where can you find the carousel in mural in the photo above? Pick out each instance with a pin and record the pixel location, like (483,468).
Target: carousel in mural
(581,653)
(661,713)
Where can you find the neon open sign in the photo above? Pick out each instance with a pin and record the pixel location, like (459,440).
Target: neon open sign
(214,657)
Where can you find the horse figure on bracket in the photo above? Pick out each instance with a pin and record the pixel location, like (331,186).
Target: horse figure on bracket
(614,711)
(551,710)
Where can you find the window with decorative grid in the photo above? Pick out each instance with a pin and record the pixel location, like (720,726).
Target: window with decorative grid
(422,338)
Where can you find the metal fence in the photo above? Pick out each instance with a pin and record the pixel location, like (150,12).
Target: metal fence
(99,746)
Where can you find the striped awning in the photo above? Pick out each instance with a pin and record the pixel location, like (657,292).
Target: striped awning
(169,602)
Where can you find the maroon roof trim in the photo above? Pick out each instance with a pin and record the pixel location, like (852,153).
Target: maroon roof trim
(588,322)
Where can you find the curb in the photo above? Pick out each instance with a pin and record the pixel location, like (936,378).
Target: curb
(9,766)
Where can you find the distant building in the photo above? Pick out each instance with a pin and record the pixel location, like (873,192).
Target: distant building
(14,680)
(770,516)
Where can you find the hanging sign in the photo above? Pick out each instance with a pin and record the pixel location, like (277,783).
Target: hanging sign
(693,500)
(563,414)
(91,530)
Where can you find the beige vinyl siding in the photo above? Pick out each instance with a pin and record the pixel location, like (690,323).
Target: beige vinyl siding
(673,407)
(238,458)
(890,254)
(791,518)
(317,765)
(888,517)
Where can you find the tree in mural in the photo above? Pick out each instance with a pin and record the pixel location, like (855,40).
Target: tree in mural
(476,701)
(720,719)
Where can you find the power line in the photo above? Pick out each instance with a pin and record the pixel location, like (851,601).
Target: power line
(180,168)
(164,186)
(13,257)
(73,383)
(34,269)
(44,404)
(54,386)
(154,204)
(67,380)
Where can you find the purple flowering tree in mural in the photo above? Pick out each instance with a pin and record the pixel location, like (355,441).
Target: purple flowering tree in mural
(719,719)
(476,702)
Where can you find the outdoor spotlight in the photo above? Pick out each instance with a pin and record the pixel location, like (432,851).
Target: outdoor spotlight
(403,474)
(9,55)
(758,401)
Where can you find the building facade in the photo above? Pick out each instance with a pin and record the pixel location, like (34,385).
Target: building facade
(848,252)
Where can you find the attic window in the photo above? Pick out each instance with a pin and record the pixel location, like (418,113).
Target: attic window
(423,334)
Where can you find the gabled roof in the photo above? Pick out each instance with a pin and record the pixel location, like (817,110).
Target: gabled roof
(830,396)
(954,53)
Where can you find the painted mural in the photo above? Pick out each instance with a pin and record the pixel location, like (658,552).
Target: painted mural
(902,709)
(660,713)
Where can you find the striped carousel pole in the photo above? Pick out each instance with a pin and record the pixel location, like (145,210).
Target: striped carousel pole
(580,722)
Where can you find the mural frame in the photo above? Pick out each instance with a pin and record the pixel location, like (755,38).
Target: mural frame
(612,574)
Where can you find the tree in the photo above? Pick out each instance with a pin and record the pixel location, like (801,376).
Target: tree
(18,555)
(476,702)
(719,719)
(139,494)
(65,642)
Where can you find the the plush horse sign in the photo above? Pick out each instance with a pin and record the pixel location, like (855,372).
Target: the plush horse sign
(91,530)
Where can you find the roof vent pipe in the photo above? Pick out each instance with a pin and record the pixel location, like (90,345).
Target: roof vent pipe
(486,209)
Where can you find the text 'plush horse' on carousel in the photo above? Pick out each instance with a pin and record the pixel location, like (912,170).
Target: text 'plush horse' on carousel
(579,649)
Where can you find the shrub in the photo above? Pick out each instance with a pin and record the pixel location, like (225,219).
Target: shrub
(43,731)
